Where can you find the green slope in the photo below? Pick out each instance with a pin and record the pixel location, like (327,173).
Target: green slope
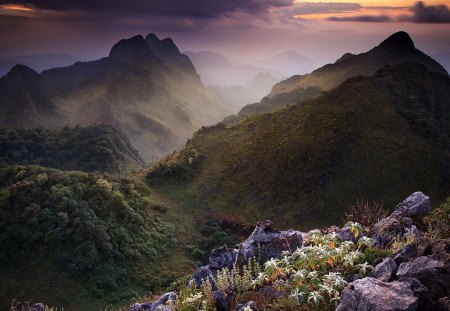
(89,149)
(379,138)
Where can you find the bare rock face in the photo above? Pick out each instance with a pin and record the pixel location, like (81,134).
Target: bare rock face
(385,270)
(399,223)
(417,204)
(265,243)
(370,294)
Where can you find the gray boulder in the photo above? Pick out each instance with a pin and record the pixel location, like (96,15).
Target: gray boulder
(385,270)
(400,223)
(432,273)
(37,307)
(265,243)
(159,305)
(370,294)
(384,231)
(417,204)
(407,253)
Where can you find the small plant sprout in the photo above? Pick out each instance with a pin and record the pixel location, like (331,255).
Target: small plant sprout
(365,242)
(315,298)
(363,268)
(298,296)
(355,228)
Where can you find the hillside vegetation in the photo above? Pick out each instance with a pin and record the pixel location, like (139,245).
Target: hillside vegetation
(76,239)
(377,138)
(89,149)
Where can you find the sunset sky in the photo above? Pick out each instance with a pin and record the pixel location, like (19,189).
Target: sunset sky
(240,29)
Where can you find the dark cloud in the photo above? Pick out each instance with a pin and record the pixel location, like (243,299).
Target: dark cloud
(192,8)
(422,13)
(362,18)
(304,8)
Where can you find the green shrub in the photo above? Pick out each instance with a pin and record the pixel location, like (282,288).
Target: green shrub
(438,221)
(93,226)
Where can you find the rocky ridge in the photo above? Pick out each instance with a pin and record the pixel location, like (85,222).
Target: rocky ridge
(406,281)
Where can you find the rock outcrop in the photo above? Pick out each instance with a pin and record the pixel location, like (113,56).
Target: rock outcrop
(416,278)
(264,243)
(385,270)
(418,275)
(369,294)
(399,223)
(159,305)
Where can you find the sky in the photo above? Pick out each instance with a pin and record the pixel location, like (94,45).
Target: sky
(240,29)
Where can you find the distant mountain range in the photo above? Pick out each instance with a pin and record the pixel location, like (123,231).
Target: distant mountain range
(145,88)
(37,62)
(253,90)
(289,62)
(397,49)
(217,70)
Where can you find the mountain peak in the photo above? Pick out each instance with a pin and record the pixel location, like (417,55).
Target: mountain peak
(130,49)
(399,39)
(22,69)
(152,39)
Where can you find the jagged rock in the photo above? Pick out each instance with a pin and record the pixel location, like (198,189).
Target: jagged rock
(264,243)
(221,302)
(416,285)
(370,294)
(385,270)
(249,305)
(201,274)
(407,253)
(222,257)
(159,305)
(434,274)
(439,249)
(417,204)
(384,231)
(399,223)
(37,307)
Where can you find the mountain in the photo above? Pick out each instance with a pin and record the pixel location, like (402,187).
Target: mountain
(217,70)
(237,96)
(24,99)
(145,88)
(378,138)
(444,59)
(397,49)
(38,62)
(289,63)
(90,149)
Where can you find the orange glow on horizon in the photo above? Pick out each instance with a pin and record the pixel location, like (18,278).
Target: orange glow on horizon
(15,7)
(376,8)
(390,3)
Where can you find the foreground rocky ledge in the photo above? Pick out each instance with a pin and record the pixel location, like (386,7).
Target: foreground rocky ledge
(415,278)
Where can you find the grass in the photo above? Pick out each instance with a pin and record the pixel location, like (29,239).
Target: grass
(307,164)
